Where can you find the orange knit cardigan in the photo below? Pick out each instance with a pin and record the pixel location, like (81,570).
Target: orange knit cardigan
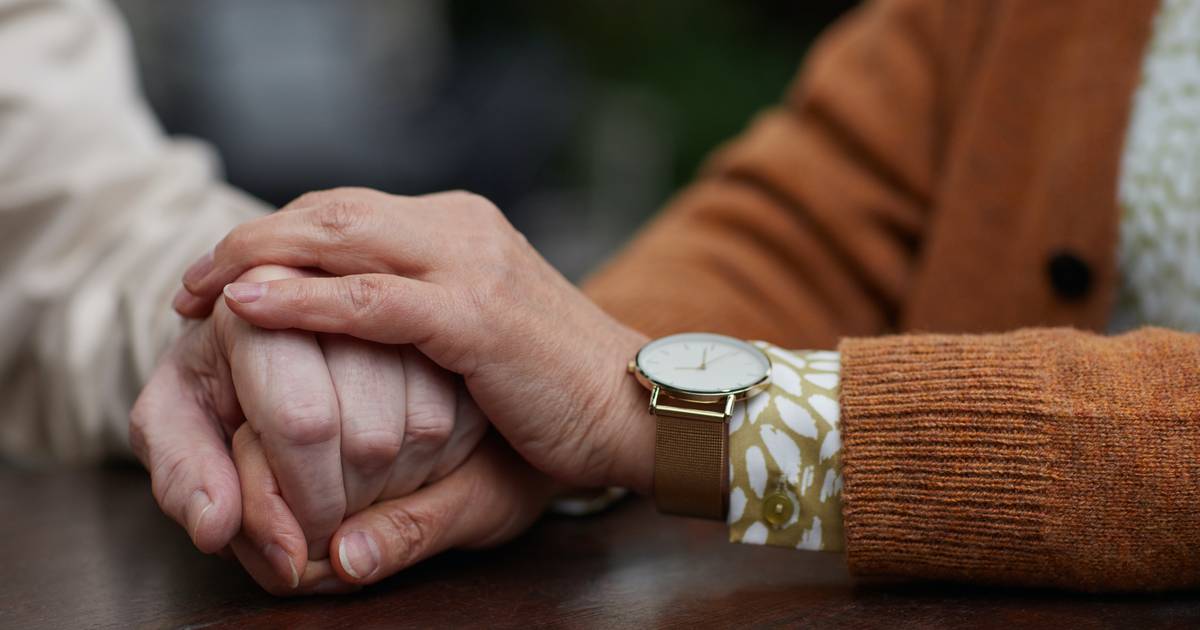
(950,167)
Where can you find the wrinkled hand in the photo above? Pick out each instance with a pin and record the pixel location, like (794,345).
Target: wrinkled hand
(448,273)
(490,498)
(341,423)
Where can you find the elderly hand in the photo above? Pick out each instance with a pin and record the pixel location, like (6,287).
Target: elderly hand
(450,275)
(490,498)
(341,422)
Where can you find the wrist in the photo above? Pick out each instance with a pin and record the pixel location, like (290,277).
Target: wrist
(632,456)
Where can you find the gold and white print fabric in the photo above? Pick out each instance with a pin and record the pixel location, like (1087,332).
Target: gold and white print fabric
(785,456)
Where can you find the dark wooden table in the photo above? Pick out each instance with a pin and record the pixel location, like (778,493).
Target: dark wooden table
(89,548)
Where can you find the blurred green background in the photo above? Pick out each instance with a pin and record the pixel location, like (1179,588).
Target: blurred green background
(579,119)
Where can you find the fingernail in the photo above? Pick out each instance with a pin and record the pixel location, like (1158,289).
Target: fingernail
(279,558)
(199,269)
(245,292)
(197,506)
(359,555)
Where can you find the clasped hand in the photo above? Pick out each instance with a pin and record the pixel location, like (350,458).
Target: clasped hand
(328,426)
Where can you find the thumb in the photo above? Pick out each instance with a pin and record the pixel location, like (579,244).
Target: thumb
(183,448)
(492,497)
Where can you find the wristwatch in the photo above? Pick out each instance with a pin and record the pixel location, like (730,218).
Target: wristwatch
(694,380)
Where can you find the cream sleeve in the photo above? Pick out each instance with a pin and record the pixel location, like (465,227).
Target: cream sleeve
(99,214)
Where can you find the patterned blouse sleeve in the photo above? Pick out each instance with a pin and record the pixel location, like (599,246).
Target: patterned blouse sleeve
(785,456)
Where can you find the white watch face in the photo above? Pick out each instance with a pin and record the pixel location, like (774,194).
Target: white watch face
(703,363)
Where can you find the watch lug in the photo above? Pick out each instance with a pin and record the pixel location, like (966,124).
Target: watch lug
(690,413)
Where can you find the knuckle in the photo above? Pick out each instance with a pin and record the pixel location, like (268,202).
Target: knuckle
(364,293)
(303,423)
(371,449)
(428,425)
(310,199)
(315,198)
(352,191)
(470,199)
(488,212)
(411,531)
(472,204)
(342,217)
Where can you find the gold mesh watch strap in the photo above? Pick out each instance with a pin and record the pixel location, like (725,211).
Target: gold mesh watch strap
(691,467)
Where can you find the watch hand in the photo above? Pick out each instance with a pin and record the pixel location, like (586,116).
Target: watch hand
(724,356)
(704,359)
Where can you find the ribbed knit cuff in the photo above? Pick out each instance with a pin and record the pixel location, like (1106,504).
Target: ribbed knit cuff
(944,461)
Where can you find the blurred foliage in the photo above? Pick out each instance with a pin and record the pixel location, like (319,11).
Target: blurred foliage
(712,63)
(577,118)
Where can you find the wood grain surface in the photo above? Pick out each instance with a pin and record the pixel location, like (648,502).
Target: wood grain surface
(89,548)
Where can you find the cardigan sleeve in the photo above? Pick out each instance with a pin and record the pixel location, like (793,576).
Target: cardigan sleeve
(1045,457)
(806,227)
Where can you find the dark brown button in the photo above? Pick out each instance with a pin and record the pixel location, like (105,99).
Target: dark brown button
(1070,276)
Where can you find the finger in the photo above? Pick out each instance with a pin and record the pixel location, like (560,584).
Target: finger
(271,544)
(370,383)
(376,307)
(429,422)
(183,447)
(288,397)
(343,232)
(470,425)
(191,306)
(340,234)
(489,499)
(318,577)
(184,302)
